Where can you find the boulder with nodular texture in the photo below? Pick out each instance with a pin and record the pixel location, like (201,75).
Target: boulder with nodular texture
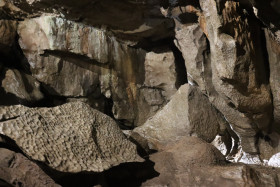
(70,138)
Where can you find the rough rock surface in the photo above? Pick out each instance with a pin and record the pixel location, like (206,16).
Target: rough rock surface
(75,60)
(119,57)
(181,117)
(72,137)
(234,75)
(160,72)
(191,41)
(22,85)
(273,49)
(17,170)
(8,29)
(201,164)
(133,19)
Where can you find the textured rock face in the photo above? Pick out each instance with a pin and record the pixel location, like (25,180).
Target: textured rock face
(74,60)
(273,48)
(8,30)
(17,170)
(234,76)
(22,85)
(191,41)
(160,72)
(70,138)
(133,19)
(200,164)
(180,117)
(119,57)
(58,34)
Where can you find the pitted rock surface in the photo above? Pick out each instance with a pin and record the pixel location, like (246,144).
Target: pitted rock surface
(71,138)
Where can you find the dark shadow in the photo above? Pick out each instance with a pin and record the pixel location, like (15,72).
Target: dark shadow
(180,67)
(9,143)
(126,174)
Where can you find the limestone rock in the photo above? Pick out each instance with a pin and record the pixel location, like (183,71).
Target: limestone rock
(237,83)
(149,101)
(75,60)
(8,30)
(160,72)
(62,77)
(22,85)
(232,72)
(133,19)
(71,138)
(193,162)
(273,49)
(58,34)
(181,117)
(17,170)
(191,41)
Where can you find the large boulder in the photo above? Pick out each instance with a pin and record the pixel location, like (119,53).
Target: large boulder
(193,162)
(189,113)
(71,138)
(17,170)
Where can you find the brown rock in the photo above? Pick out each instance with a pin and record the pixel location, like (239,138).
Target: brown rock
(160,72)
(17,170)
(191,41)
(235,75)
(22,85)
(75,60)
(193,162)
(273,49)
(181,117)
(8,30)
(140,20)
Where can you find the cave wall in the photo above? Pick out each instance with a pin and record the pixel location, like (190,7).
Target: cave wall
(162,70)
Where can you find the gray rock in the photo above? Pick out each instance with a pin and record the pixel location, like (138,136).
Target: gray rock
(71,138)
(189,113)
